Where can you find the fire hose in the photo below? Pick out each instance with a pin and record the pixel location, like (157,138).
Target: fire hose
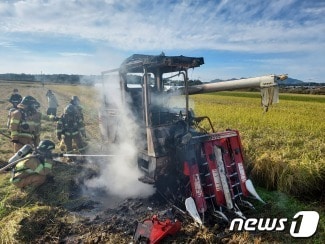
(7,136)
(85,155)
(16,162)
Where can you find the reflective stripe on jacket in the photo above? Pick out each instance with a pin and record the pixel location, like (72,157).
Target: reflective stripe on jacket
(23,125)
(31,166)
(69,126)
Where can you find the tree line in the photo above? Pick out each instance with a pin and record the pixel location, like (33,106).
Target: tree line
(53,78)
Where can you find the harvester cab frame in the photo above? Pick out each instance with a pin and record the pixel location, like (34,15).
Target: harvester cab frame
(200,171)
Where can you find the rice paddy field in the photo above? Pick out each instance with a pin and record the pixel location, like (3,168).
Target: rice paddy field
(284,147)
(284,152)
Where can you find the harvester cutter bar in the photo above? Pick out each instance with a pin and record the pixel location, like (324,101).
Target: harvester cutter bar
(221,178)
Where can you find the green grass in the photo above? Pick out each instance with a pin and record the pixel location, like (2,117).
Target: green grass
(280,205)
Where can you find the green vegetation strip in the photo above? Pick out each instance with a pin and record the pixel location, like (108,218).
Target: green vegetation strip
(289,97)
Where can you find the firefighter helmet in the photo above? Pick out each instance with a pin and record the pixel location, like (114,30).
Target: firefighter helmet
(15,90)
(46,146)
(30,102)
(70,109)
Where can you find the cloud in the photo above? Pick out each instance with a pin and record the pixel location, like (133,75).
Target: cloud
(139,25)
(6,44)
(130,26)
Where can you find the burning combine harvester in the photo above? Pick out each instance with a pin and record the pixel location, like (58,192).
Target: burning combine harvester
(196,170)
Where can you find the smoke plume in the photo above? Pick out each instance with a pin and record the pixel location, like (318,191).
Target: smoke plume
(119,174)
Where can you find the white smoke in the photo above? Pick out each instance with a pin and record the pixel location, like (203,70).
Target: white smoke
(172,101)
(119,175)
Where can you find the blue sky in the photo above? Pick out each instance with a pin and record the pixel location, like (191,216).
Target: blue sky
(237,38)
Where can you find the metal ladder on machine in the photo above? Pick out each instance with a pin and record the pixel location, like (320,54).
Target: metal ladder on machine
(228,151)
(244,185)
(223,175)
(208,184)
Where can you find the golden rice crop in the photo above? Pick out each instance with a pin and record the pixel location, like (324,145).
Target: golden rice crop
(284,148)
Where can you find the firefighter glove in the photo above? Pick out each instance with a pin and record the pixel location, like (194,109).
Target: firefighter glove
(15,141)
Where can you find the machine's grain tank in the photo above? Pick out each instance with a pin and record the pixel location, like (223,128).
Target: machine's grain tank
(182,161)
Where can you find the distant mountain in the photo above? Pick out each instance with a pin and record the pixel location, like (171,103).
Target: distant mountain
(215,80)
(292,82)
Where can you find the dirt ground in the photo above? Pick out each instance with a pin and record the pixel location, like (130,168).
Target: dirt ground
(65,211)
(93,216)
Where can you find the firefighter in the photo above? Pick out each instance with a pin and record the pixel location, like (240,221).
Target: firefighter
(25,123)
(70,128)
(35,168)
(75,101)
(52,102)
(14,99)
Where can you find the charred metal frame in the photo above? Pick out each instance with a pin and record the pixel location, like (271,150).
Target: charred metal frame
(175,151)
(158,65)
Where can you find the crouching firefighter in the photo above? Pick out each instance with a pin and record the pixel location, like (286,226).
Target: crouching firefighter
(25,123)
(70,127)
(33,167)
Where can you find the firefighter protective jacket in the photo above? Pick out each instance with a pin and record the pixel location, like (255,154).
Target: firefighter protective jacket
(79,109)
(25,124)
(30,166)
(69,125)
(15,98)
(9,116)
